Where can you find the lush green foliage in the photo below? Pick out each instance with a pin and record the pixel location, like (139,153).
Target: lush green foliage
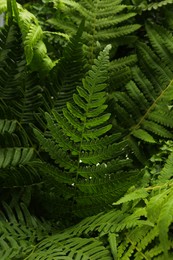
(139,226)
(86,130)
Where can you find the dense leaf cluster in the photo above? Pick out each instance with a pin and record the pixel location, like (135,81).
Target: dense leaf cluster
(86,154)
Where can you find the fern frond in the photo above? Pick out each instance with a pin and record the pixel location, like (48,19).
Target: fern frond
(141,228)
(9,60)
(121,63)
(144,105)
(137,194)
(19,177)
(166,172)
(104,22)
(21,96)
(19,231)
(71,248)
(23,236)
(79,144)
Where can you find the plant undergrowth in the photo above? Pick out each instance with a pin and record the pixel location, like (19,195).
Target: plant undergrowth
(86,152)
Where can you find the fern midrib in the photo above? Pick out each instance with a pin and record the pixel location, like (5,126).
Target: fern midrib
(81,143)
(137,248)
(150,109)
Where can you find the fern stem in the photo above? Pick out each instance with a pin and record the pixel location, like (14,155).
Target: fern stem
(138,249)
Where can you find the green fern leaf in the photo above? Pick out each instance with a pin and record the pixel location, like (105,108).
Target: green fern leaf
(137,194)
(7,126)
(72,248)
(33,36)
(79,145)
(144,104)
(71,68)
(158,5)
(164,221)
(166,172)
(155,205)
(140,229)
(19,231)
(15,156)
(104,22)
(142,134)
(20,93)
(112,242)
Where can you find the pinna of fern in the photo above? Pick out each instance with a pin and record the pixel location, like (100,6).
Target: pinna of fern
(84,157)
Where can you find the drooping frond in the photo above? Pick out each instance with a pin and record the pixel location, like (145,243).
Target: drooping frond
(86,160)
(144,109)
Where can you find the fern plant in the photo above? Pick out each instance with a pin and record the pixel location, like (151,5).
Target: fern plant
(84,157)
